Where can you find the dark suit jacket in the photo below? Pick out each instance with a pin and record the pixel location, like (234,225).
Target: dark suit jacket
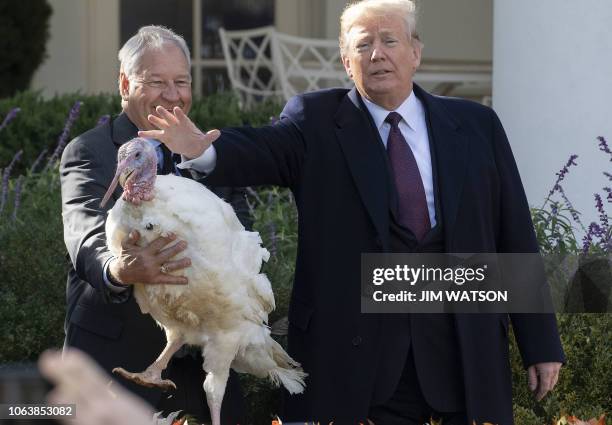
(107,326)
(325,150)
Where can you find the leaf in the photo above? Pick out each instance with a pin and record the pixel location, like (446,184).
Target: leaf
(600,421)
(573,420)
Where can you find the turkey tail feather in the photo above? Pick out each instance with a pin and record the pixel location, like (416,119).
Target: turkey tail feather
(288,371)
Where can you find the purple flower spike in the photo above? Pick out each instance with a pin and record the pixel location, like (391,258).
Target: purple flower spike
(603,146)
(595,231)
(103,120)
(570,207)
(5,179)
(561,175)
(9,117)
(38,160)
(273,238)
(609,191)
(603,217)
(17,199)
(63,139)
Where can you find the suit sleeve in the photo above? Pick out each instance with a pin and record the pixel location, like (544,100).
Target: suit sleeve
(536,335)
(82,189)
(269,155)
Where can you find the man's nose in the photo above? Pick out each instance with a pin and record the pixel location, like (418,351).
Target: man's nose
(378,52)
(171,92)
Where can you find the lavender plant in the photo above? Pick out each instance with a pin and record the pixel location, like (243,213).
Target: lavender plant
(9,117)
(599,234)
(17,198)
(5,180)
(556,220)
(103,120)
(552,221)
(63,139)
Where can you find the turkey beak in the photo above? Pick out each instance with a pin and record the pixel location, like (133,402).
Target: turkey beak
(120,169)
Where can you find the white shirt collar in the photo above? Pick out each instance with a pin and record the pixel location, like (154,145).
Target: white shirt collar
(411,110)
(154,142)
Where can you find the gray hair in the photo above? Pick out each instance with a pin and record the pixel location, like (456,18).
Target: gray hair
(383,8)
(148,38)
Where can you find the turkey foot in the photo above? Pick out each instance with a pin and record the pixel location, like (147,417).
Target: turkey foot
(148,378)
(151,377)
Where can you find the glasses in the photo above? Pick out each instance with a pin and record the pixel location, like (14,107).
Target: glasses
(163,85)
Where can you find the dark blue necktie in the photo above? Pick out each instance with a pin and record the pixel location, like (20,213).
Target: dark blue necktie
(167,164)
(412,203)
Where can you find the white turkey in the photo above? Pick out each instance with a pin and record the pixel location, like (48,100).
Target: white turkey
(224,307)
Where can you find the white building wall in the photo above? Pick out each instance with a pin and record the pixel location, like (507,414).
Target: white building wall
(552,88)
(457,30)
(82,48)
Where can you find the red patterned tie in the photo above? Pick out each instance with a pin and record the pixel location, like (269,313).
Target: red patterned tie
(413,212)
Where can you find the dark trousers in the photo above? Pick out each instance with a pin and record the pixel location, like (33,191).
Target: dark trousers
(407,405)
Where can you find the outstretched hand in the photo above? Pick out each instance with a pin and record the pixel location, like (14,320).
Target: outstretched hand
(179,133)
(149,264)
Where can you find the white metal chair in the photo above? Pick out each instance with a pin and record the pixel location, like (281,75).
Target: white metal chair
(248,58)
(307,64)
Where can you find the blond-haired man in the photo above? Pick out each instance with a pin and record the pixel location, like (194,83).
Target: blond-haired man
(387,167)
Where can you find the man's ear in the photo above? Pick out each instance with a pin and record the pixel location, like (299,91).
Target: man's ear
(347,66)
(417,49)
(124,85)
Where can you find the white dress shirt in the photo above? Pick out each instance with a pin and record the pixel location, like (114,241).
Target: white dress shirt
(414,129)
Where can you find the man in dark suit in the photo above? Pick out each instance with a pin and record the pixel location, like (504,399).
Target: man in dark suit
(387,167)
(102,317)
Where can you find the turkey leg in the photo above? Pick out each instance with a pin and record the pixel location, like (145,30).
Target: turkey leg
(151,377)
(214,386)
(217,365)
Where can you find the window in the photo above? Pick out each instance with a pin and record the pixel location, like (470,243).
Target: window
(200,31)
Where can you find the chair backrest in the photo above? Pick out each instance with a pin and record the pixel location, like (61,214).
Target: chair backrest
(307,64)
(248,58)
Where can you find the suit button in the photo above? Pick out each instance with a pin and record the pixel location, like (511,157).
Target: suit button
(378,242)
(356,341)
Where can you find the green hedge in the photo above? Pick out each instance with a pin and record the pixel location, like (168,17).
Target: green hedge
(40,123)
(33,263)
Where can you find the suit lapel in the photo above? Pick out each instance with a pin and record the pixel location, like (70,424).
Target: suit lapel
(365,161)
(122,129)
(451,153)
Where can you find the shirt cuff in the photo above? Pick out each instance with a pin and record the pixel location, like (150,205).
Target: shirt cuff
(112,287)
(205,163)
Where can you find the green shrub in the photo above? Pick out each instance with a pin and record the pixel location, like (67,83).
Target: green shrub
(24,30)
(584,385)
(33,270)
(40,123)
